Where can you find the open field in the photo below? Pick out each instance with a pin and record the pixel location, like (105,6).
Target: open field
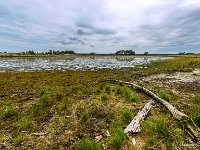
(77,110)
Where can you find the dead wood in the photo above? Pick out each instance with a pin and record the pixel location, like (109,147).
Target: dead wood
(134,126)
(192,129)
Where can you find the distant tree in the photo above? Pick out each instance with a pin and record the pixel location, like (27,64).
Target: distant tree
(181,53)
(125,52)
(146,53)
(30,52)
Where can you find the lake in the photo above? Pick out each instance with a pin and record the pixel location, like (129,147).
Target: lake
(25,64)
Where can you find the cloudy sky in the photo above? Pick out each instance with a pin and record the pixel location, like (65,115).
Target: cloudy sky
(100,26)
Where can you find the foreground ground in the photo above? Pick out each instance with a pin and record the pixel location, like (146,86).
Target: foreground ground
(77,110)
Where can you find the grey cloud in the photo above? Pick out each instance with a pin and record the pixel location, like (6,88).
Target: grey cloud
(71,41)
(88,29)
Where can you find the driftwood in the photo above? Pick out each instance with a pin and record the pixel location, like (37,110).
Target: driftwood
(192,129)
(134,126)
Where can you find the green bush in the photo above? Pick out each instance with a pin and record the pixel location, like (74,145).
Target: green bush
(9,113)
(88,144)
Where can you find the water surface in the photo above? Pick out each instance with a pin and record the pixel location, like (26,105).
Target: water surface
(24,64)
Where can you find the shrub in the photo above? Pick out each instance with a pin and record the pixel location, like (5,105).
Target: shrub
(85,117)
(127,115)
(88,144)
(9,113)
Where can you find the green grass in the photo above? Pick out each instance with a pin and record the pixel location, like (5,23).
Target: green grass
(9,113)
(195,114)
(118,138)
(19,139)
(108,88)
(162,130)
(24,123)
(104,97)
(186,70)
(88,144)
(127,115)
(85,117)
(165,95)
(71,105)
(196,98)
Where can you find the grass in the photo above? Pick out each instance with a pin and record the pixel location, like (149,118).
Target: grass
(85,117)
(128,94)
(195,114)
(72,106)
(118,138)
(17,141)
(9,113)
(161,131)
(88,144)
(196,98)
(24,123)
(127,115)
(104,97)
(108,88)
(166,95)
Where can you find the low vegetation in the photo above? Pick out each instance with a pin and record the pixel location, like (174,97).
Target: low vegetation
(70,109)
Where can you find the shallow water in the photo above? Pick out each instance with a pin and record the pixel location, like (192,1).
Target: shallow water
(25,64)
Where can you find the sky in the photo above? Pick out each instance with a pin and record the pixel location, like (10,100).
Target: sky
(100,26)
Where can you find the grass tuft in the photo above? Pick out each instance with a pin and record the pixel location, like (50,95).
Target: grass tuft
(88,144)
(195,114)
(118,138)
(127,115)
(9,113)
(104,97)
(85,117)
(24,123)
(165,95)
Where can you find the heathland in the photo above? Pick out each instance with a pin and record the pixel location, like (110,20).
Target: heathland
(78,110)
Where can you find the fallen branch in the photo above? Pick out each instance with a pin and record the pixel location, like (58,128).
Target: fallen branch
(192,129)
(134,126)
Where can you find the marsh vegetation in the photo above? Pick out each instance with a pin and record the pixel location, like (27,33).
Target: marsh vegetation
(77,110)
